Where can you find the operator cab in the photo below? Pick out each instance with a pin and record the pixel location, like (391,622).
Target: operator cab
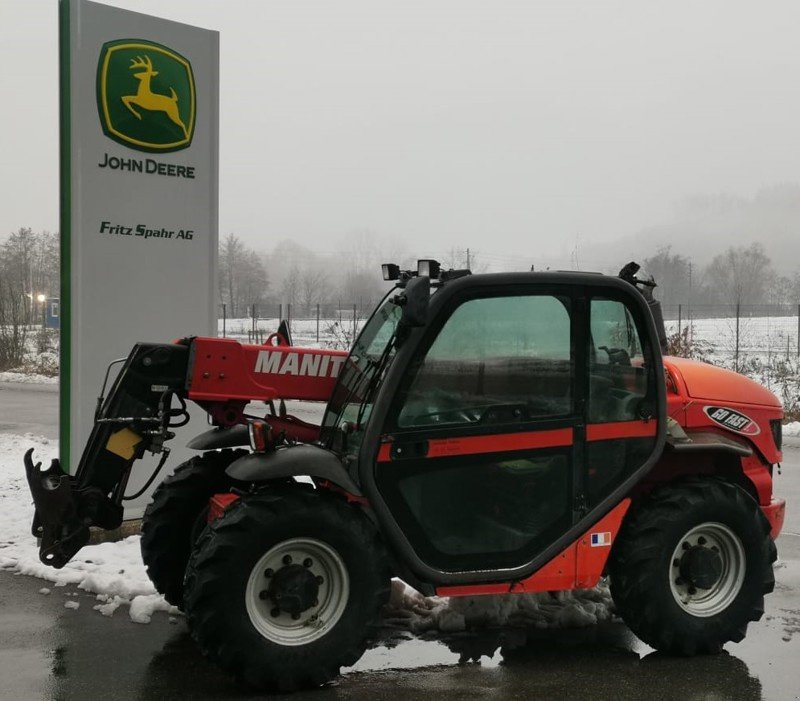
(513,409)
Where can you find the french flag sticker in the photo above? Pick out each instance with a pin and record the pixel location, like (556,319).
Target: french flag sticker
(601,540)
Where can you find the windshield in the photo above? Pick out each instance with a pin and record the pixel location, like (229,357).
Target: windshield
(354,393)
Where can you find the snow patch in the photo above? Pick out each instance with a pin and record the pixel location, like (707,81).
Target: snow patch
(28,378)
(72,605)
(791,429)
(408,609)
(113,570)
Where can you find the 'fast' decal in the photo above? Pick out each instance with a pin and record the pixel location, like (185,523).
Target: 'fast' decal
(732,420)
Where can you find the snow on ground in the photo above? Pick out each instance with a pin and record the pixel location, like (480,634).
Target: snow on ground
(114,572)
(791,429)
(25,378)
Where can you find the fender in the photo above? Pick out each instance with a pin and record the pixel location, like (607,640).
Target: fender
(293,461)
(696,441)
(232,437)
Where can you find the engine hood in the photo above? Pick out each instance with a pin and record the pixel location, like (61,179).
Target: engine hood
(704,381)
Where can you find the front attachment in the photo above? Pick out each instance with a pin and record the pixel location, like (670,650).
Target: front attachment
(134,418)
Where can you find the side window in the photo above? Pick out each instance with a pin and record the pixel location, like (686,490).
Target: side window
(617,372)
(496,360)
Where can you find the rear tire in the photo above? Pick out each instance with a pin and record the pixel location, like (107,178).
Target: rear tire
(267,631)
(175,517)
(691,566)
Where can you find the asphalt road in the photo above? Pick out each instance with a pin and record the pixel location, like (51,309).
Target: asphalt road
(29,408)
(50,652)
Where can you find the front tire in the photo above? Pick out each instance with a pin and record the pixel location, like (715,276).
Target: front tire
(691,566)
(286,587)
(175,516)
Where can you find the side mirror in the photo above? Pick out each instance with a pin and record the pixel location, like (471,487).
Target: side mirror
(414,302)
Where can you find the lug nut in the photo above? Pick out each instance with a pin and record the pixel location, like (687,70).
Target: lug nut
(676,562)
(287,559)
(679,581)
(315,603)
(268,572)
(295,616)
(263,594)
(320,580)
(685,545)
(307,562)
(692,591)
(275,612)
(701,541)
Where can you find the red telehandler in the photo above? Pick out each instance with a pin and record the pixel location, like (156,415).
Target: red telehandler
(486,434)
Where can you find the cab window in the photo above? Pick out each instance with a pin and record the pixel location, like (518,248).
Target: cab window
(495,360)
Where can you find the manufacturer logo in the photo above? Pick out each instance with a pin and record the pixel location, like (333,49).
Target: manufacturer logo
(145,95)
(601,540)
(732,420)
(310,364)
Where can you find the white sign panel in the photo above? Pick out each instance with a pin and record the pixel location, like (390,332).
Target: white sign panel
(139,161)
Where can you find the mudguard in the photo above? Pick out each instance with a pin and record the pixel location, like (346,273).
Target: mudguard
(293,461)
(216,438)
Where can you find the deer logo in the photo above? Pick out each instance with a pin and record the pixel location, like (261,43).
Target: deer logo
(146,96)
(146,99)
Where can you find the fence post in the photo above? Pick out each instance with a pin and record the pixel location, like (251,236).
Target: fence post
(680,313)
(224,319)
(354,322)
(736,353)
(798,329)
(317,322)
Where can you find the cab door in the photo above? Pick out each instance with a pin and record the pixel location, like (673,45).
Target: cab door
(480,461)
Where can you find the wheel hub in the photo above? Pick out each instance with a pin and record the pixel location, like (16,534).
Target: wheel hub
(707,569)
(297,591)
(701,567)
(293,589)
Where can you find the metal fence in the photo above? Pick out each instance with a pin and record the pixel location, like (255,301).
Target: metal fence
(332,322)
(739,330)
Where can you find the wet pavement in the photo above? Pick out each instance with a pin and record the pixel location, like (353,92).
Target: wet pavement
(48,651)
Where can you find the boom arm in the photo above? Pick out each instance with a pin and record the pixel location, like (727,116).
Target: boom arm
(220,375)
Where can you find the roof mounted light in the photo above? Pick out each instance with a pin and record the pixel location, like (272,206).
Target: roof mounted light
(390,271)
(428,268)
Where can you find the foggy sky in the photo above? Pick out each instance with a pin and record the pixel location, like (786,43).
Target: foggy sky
(528,131)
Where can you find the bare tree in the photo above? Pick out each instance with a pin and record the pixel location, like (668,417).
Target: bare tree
(243,278)
(674,275)
(740,275)
(314,287)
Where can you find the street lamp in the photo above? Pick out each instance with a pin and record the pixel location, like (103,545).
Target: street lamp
(42,298)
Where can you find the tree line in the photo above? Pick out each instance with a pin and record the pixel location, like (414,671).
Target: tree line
(350,274)
(740,275)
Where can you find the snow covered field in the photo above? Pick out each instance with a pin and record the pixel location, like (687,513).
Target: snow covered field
(115,574)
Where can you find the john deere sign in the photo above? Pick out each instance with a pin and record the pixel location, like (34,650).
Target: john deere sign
(145,95)
(139,191)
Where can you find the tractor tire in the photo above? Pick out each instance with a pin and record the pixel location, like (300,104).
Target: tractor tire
(175,517)
(286,587)
(691,566)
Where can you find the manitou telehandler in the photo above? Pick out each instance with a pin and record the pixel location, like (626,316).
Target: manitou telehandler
(486,434)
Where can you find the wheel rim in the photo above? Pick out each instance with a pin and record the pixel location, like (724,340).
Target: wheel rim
(297,591)
(707,569)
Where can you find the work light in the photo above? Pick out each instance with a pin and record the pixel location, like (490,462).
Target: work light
(428,268)
(390,271)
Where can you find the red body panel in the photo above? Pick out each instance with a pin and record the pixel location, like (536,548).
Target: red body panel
(579,566)
(225,370)
(700,385)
